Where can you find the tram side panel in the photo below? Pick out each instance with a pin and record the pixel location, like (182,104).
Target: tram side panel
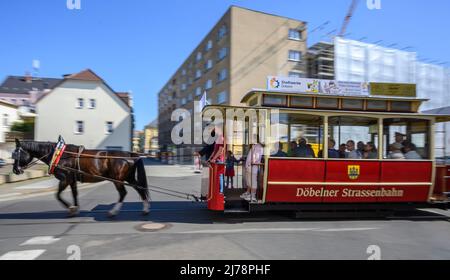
(340,181)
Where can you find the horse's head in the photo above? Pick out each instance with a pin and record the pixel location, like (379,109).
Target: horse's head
(21,158)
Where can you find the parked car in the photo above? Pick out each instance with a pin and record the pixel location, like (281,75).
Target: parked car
(2,162)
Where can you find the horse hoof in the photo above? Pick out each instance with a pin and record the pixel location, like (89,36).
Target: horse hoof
(145,213)
(73,211)
(112,214)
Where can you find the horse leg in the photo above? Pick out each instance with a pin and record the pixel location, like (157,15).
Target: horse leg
(61,187)
(145,203)
(73,210)
(122,193)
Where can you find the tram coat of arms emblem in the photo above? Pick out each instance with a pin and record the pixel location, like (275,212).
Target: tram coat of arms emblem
(353,172)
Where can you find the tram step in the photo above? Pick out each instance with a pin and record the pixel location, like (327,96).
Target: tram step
(237,210)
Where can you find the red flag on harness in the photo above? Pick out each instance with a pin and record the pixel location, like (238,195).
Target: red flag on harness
(59,150)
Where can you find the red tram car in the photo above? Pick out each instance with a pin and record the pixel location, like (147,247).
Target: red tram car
(377,180)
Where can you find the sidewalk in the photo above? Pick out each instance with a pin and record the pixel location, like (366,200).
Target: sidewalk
(35,187)
(36,171)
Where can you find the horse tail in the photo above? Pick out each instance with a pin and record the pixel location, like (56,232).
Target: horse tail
(141,177)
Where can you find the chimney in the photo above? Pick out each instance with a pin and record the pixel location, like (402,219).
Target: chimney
(28,78)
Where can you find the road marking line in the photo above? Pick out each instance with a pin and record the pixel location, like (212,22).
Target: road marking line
(260,230)
(9,194)
(344,229)
(257,230)
(40,240)
(22,255)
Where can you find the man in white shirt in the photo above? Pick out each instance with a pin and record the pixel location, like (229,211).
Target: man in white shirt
(252,162)
(352,153)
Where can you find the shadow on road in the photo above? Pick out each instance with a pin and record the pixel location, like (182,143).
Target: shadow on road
(197,213)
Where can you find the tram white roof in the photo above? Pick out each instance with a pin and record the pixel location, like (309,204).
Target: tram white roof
(255,91)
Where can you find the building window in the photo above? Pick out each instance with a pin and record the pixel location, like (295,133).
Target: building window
(295,34)
(198,74)
(293,74)
(208,84)
(79,127)
(222,53)
(183,87)
(222,75)
(92,103)
(208,64)
(222,32)
(183,101)
(209,45)
(198,57)
(183,72)
(295,55)
(5,120)
(80,103)
(190,97)
(222,97)
(109,127)
(198,91)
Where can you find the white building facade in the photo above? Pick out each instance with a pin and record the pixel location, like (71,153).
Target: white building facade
(84,110)
(9,115)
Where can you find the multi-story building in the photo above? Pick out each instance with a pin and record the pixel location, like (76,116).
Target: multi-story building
(23,91)
(320,61)
(151,144)
(85,111)
(238,54)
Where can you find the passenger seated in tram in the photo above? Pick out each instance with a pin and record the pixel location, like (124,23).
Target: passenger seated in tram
(352,153)
(396,151)
(342,149)
(303,150)
(370,151)
(332,152)
(410,150)
(360,148)
(399,138)
(292,148)
(279,152)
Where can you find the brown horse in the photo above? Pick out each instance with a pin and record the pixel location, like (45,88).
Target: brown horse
(116,165)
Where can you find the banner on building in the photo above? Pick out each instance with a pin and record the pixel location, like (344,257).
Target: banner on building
(305,85)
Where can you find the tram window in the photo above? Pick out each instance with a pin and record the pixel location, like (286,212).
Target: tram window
(327,103)
(377,105)
(352,104)
(301,135)
(301,101)
(406,139)
(359,135)
(400,106)
(271,100)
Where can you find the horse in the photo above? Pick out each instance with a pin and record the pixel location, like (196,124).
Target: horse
(78,164)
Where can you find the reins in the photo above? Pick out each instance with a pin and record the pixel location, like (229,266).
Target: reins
(150,187)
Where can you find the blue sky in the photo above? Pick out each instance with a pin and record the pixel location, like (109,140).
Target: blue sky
(137,44)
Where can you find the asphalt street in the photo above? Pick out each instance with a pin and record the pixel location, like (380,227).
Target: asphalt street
(36,227)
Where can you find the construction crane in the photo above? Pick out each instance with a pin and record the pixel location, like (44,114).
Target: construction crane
(348,17)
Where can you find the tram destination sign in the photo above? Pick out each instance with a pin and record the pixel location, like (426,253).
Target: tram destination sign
(318,86)
(391,89)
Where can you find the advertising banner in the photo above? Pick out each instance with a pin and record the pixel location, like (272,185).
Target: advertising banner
(305,85)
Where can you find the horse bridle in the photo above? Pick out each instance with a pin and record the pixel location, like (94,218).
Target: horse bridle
(16,156)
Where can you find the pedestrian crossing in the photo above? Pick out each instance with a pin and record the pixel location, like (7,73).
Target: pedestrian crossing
(31,254)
